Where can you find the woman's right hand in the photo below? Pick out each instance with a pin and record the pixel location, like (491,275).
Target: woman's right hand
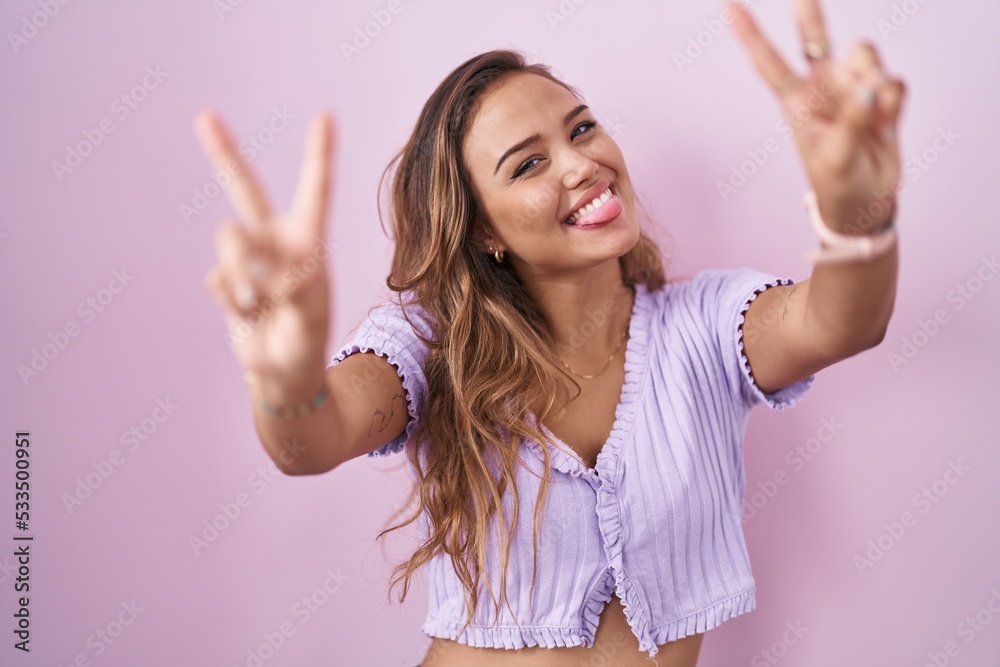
(272,280)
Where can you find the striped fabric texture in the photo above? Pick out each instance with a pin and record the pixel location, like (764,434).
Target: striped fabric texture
(658,519)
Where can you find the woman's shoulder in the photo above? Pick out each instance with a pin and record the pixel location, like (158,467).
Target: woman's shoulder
(711,286)
(402,312)
(715,298)
(703,315)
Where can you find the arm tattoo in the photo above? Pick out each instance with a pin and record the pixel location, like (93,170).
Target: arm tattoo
(790,295)
(380,420)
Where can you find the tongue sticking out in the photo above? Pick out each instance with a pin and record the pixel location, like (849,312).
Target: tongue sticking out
(609,210)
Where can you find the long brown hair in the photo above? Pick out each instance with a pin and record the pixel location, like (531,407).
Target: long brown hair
(489,361)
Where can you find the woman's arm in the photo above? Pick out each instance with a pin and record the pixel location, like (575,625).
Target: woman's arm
(849,146)
(792,331)
(360,415)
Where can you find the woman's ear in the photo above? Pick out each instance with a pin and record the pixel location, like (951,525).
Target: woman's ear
(482,237)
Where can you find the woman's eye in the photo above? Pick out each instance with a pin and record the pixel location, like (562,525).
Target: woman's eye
(524,167)
(529,164)
(588,125)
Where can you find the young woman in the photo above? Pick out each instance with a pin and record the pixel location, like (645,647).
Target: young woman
(573,420)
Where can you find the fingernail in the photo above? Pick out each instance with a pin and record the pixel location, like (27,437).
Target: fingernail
(244,296)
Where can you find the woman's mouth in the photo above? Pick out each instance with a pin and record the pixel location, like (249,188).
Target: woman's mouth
(601,209)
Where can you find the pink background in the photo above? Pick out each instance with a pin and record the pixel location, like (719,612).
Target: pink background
(161,337)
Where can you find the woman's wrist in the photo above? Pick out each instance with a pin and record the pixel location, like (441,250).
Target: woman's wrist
(288,401)
(836,246)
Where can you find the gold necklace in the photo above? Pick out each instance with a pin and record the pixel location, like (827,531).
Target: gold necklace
(591,377)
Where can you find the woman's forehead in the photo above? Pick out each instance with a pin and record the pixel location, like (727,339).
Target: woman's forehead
(519,106)
(523,96)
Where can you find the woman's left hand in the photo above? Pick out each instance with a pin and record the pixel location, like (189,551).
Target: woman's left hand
(844,116)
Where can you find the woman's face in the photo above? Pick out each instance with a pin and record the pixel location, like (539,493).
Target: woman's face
(528,194)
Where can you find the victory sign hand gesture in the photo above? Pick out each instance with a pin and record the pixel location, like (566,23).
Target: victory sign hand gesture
(844,115)
(272,279)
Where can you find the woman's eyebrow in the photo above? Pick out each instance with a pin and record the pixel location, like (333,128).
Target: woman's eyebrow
(535,137)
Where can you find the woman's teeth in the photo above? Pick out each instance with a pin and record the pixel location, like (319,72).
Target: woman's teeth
(596,204)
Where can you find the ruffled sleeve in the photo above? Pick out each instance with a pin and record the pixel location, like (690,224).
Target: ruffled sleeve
(387,332)
(726,295)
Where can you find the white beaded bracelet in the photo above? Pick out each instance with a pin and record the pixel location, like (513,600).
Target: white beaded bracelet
(848,247)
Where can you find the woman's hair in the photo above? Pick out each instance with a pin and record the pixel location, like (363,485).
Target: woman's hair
(490,359)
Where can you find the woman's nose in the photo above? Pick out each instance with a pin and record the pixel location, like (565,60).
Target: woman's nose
(579,168)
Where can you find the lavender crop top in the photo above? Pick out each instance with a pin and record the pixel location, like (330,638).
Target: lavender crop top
(658,520)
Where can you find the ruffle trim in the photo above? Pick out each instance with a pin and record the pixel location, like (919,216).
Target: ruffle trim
(560,460)
(786,397)
(635,613)
(608,465)
(706,619)
(410,383)
(607,469)
(507,636)
(517,637)
(636,361)
(594,605)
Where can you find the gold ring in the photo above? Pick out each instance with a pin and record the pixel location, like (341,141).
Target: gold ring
(815,51)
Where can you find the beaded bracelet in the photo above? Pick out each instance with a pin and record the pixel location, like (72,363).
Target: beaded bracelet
(847,247)
(289,411)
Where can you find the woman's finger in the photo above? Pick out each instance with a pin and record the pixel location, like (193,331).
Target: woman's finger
(864,59)
(812,29)
(877,96)
(890,102)
(244,191)
(768,61)
(215,282)
(235,256)
(312,196)
(856,127)
(859,103)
